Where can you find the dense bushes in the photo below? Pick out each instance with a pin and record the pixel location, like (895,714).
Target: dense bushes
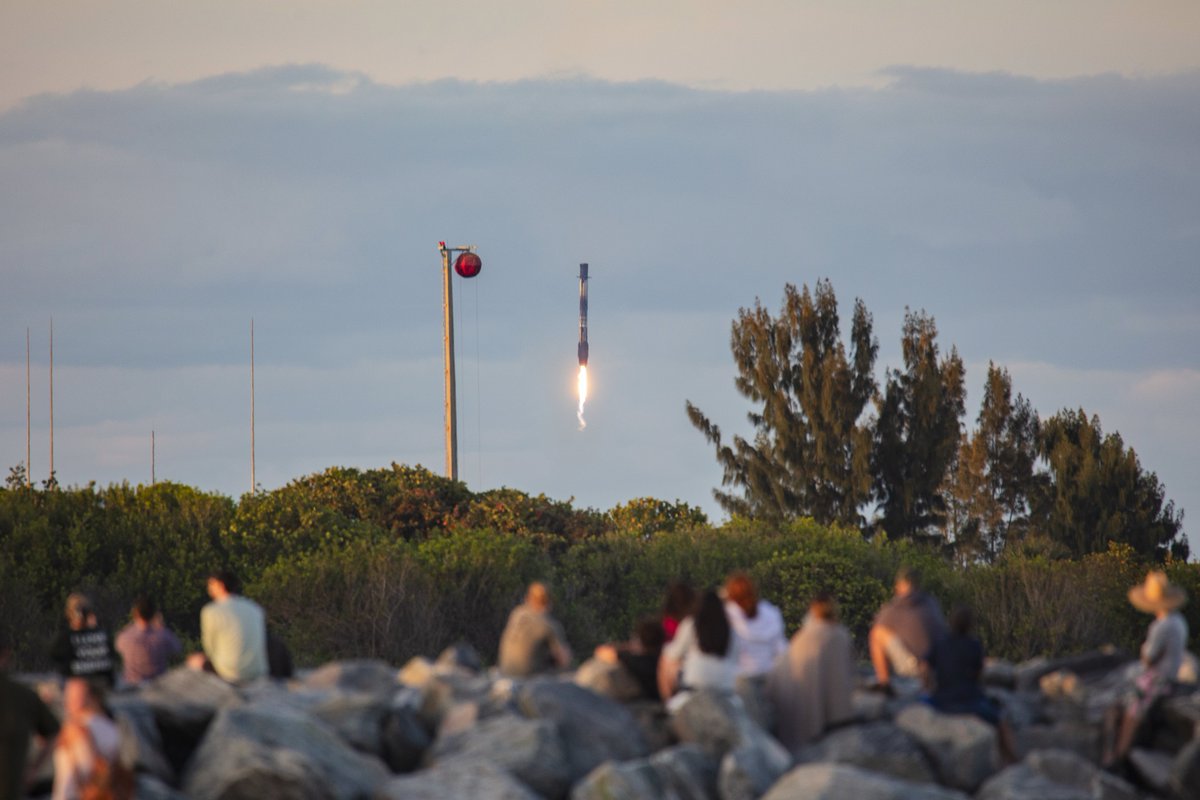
(397,562)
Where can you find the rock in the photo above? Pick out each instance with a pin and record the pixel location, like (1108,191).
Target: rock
(999,673)
(840,782)
(610,680)
(753,693)
(184,702)
(476,780)
(747,772)
(1152,769)
(460,718)
(876,746)
(1189,670)
(371,724)
(460,656)
(446,690)
(258,751)
(1182,715)
(718,723)
(1055,775)
(654,722)
(404,739)
(1185,772)
(369,676)
(530,749)
(594,729)
(1078,737)
(141,741)
(869,706)
(1097,662)
(417,672)
(963,748)
(149,787)
(684,772)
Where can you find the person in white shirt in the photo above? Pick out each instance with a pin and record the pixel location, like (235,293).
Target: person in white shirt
(702,655)
(757,627)
(233,632)
(87,735)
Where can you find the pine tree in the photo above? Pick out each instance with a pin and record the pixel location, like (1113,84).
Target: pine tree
(811,450)
(917,434)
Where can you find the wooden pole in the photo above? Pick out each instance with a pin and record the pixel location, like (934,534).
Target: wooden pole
(52,399)
(253,481)
(448,349)
(28,418)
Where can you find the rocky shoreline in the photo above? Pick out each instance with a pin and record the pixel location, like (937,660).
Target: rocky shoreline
(433,730)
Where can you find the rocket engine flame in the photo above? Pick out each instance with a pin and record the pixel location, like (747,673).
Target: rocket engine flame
(583,389)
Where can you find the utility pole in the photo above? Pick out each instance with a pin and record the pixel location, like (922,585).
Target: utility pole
(52,399)
(467,265)
(253,482)
(28,418)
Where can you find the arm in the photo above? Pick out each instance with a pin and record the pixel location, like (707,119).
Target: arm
(668,675)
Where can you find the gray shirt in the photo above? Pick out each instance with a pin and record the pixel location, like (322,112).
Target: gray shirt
(526,644)
(1164,646)
(916,620)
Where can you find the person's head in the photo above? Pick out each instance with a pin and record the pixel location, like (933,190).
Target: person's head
(908,580)
(961,621)
(650,634)
(680,600)
(823,607)
(538,596)
(1157,595)
(740,589)
(223,582)
(712,626)
(79,610)
(144,609)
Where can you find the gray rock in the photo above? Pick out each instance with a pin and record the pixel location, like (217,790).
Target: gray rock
(1185,772)
(370,676)
(610,680)
(446,690)
(148,787)
(460,656)
(530,749)
(258,751)
(869,706)
(654,723)
(718,723)
(1152,768)
(594,729)
(748,771)
(1182,715)
(477,780)
(1078,737)
(141,741)
(999,673)
(876,746)
(1055,775)
(962,748)
(371,724)
(186,700)
(684,772)
(841,782)
(404,739)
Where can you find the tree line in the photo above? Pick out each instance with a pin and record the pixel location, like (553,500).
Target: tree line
(831,443)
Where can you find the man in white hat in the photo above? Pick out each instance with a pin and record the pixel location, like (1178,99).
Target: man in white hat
(1161,657)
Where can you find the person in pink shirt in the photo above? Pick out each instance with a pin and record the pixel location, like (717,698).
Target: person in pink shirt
(146,645)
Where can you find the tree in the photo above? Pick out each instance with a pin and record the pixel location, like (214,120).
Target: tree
(993,476)
(1099,493)
(918,430)
(811,450)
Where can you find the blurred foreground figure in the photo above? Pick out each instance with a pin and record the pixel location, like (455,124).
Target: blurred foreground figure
(23,715)
(905,630)
(533,641)
(83,649)
(86,758)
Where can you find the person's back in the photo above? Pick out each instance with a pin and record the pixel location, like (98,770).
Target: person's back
(757,627)
(145,644)
(532,641)
(956,661)
(83,649)
(1166,641)
(233,632)
(22,715)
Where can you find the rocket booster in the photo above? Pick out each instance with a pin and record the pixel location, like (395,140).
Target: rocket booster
(583,340)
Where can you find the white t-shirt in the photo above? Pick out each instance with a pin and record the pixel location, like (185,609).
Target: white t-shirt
(1165,643)
(701,670)
(760,640)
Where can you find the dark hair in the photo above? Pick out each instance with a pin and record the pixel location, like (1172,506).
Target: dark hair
(680,601)
(650,633)
(227,578)
(712,626)
(910,574)
(961,620)
(823,606)
(144,607)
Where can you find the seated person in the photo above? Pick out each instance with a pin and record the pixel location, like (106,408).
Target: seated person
(904,631)
(233,632)
(702,655)
(145,644)
(639,656)
(83,649)
(678,606)
(757,627)
(810,686)
(23,716)
(86,756)
(955,667)
(1161,657)
(533,641)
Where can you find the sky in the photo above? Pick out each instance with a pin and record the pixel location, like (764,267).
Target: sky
(1027,173)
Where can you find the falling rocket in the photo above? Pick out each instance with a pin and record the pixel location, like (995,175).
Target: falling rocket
(583,342)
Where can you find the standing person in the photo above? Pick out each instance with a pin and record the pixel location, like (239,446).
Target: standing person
(701,656)
(146,645)
(810,686)
(86,757)
(956,665)
(233,632)
(83,649)
(533,641)
(904,631)
(23,715)
(756,624)
(1161,657)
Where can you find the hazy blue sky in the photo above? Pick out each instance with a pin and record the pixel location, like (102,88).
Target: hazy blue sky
(1029,176)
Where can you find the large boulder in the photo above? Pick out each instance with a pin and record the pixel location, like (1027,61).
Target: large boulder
(257,751)
(477,780)
(840,782)
(184,702)
(530,749)
(748,771)
(610,680)
(1185,772)
(718,722)
(141,741)
(879,747)
(683,772)
(371,724)
(1151,769)
(148,787)
(962,748)
(594,729)
(370,676)
(1078,737)
(1055,775)
(460,656)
